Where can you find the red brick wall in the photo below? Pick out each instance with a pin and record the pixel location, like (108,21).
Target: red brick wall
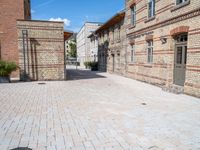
(10,11)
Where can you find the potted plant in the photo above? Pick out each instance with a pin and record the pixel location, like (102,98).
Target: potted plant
(6,68)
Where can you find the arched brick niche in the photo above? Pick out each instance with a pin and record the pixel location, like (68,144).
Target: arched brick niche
(179,30)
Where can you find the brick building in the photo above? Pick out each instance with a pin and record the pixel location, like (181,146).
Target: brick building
(36,46)
(10,11)
(161,44)
(164,43)
(112,44)
(41,50)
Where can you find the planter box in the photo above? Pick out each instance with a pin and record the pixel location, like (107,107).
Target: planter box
(4,79)
(94,69)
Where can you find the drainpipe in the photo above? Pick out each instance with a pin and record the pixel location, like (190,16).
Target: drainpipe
(65,72)
(0,44)
(24,53)
(0,49)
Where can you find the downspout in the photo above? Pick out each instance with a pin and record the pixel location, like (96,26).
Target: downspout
(65,71)
(24,54)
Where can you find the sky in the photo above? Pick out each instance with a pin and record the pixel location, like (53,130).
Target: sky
(75,13)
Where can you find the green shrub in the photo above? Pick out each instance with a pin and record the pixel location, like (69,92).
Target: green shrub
(94,66)
(6,68)
(91,65)
(87,64)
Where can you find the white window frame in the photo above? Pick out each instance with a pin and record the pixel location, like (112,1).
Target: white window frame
(150,51)
(151,11)
(133,15)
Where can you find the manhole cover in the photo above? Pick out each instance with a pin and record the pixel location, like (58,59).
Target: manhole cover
(41,83)
(21,148)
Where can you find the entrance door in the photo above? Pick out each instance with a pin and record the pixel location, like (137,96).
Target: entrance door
(180,64)
(113,63)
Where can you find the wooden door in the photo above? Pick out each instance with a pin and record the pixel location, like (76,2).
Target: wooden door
(180,64)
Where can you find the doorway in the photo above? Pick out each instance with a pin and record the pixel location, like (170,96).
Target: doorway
(113,62)
(180,60)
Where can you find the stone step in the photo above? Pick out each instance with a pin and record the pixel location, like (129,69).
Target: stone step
(174,89)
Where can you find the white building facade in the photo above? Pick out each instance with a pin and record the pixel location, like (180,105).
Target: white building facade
(84,52)
(93,47)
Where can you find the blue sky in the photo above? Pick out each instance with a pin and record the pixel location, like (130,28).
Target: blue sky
(75,12)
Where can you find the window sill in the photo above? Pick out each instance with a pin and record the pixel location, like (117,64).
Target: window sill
(149,65)
(180,6)
(150,19)
(118,41)
(133,26)
(131,63)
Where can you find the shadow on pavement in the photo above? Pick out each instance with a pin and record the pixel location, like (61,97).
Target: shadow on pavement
(73,74)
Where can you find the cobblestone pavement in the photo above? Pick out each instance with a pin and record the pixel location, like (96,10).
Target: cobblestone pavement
(97,112)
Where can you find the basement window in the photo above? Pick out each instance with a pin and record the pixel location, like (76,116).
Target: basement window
(178,2)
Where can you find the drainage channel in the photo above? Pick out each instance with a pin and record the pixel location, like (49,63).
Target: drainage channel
(21,148)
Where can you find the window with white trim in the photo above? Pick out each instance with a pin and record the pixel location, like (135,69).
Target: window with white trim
(151,8)
(150,51)
(133,13)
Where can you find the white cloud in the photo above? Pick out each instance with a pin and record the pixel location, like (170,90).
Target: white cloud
(45,3)
(65,20)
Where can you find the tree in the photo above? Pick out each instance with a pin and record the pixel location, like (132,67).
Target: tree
(72,51)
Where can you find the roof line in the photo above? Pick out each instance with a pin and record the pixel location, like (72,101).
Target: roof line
(40,21)
(120,12)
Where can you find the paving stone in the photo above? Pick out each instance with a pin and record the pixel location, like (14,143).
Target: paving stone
(101,113)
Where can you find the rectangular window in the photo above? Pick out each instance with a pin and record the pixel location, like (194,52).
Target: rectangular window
(132,53)
(106,35)
(151,8)
(133,12)
(179,55)
(113,34)
(180,1)
(185,61)
(150,51)
(118,33)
